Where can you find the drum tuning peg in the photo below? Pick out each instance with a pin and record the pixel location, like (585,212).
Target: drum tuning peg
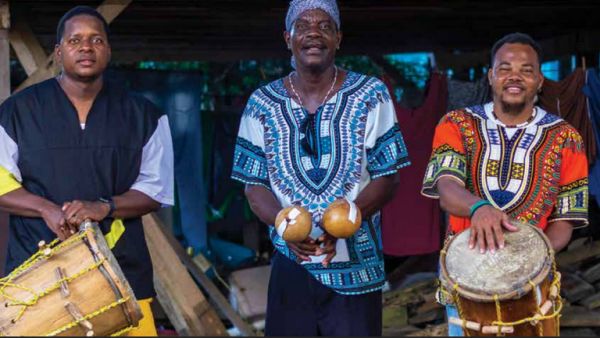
(43,247)
(493,329)
(76,314)
(553,292)
(64,288)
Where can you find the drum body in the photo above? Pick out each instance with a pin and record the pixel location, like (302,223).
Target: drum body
(514,291)
(71,288)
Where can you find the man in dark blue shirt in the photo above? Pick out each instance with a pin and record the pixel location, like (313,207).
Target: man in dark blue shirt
(79,147)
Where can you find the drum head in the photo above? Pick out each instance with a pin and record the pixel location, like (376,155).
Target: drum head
(526,256)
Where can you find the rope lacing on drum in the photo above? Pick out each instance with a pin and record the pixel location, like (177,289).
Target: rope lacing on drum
(37,296)
(89,316)
(45,252)
(459,308)
(498,315)
(538,302)
(537,318)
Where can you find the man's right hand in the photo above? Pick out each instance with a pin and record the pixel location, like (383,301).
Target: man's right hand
(486,228)
(55,219)
(304,249)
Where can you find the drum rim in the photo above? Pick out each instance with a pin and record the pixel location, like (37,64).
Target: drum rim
(131,307)
(477,295)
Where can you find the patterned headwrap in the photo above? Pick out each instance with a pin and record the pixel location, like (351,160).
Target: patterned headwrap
(298,7)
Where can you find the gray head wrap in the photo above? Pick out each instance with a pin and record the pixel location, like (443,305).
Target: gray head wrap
(298,7)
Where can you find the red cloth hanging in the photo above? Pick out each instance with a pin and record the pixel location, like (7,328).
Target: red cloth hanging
(410,221)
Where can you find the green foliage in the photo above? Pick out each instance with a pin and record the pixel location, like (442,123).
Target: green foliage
(173,65)
(359,64)
(242,77)
(413,66)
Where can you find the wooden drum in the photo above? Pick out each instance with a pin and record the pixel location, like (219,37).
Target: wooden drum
(70,288)
(514,291)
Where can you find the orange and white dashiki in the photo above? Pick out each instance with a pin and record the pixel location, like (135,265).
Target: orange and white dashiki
(536,173)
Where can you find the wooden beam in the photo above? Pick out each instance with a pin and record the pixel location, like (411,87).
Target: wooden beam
(438,330)
(213,292)
(579,316)
(586,251)
(185,305)
(4,51)
(109,9)
(28,49)
(4,15)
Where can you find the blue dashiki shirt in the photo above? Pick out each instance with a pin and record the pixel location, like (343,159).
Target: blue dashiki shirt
(357,140)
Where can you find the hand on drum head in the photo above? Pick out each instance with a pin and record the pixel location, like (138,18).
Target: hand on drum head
(303,249)
(78,211)
(54,218)
(486,228)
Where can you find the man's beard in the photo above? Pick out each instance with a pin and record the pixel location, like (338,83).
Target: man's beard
(518,107)
(513,108)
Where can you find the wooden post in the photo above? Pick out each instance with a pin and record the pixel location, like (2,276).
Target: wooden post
(185,305)
(110,9)
(29,51)
(151,221)
(4,51)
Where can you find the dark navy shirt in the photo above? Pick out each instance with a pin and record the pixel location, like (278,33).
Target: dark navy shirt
(125,144)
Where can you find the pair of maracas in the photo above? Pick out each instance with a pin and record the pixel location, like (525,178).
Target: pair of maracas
(341,219)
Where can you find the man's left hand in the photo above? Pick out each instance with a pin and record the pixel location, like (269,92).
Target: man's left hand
(78,211)
(328,248)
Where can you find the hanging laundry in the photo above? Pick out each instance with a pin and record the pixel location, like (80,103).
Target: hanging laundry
(592,91)
(566,99)
(463,94)
(410,221)
(177,94)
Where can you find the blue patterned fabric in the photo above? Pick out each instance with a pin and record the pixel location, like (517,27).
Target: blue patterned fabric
(250,164)
(384,158)
(357,139)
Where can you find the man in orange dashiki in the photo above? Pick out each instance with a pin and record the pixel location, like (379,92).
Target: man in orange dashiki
(509,159)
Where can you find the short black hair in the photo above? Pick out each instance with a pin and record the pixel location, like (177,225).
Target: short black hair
(517,37)
(75,11)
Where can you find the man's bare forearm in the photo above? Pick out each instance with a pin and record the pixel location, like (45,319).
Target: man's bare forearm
(23,203)
(132,204)
(263,203)
(376,194)
(454,198)
(559,233)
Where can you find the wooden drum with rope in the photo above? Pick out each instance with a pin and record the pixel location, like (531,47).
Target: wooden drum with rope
(514,291)
(69,288)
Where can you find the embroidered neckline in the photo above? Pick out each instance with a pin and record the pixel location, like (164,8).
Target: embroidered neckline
(519,125)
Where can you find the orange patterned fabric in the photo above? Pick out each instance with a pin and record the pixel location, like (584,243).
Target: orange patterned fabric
(536,173)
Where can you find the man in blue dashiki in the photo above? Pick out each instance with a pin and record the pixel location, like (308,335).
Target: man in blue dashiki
(318,134)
